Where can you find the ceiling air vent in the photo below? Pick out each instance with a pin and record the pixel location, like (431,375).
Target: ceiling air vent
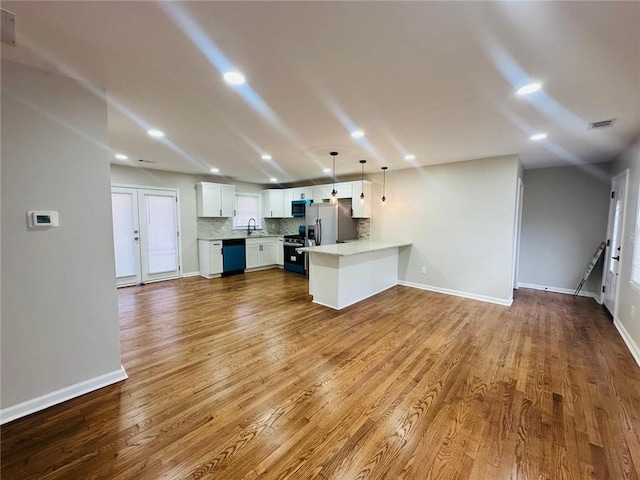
(141,160)
(8,27)
(601,124)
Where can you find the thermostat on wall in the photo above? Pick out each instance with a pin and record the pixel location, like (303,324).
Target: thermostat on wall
(42,219)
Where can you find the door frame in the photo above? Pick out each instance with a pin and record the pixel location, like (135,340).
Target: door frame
(179,221)
(607,252)
(517,234)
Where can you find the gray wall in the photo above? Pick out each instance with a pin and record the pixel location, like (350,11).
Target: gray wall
(628,297)
(188,214)
(59,310)
(564,219)
(460,220)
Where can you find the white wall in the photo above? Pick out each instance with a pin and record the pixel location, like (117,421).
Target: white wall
(628,297)
(460,220)
(59,311)
(188,213)
(564,219)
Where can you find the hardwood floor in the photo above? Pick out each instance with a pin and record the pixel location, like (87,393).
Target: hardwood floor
(245,378)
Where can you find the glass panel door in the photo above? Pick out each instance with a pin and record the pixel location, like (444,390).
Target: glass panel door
(159,234)
(124,207)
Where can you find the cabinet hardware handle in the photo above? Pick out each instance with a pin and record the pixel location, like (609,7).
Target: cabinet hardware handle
(220,212)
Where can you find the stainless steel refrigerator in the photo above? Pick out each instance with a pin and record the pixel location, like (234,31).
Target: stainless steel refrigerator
(329,223)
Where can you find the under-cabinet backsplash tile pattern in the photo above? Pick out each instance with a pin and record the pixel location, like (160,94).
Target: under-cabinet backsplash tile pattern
(223,227)
(364,228)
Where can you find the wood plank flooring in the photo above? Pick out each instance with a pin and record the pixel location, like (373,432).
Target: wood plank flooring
(244,378)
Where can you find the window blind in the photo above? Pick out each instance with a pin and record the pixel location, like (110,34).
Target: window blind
(247,206)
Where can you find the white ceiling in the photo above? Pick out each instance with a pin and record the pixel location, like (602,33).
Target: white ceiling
(435,79)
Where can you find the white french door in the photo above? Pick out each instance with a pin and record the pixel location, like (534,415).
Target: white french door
(614,242)
(146,232)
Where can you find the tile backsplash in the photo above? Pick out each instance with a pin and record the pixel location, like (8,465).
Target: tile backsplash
(223,227)
(364,228)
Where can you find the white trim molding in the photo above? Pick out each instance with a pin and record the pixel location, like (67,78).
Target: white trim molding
(631,345)
(483,298)
(53,398)
(190,274)
(566,291)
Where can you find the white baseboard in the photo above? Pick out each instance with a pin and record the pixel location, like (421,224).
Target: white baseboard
(566,291)
(458,293)
(53,398)
(190,274)
(631,345)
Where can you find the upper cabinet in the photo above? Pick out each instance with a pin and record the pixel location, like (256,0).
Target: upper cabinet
(287,198)
(361,208)
(215,199)
(302,193)
(323,192)
(276,203)
(273,203)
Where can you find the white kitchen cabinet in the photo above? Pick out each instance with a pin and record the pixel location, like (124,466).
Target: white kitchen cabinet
(210,258)
(287,198)
(280,251)
(215,199)
(272,203)
(302,193)
(254,258)
(260,252)
(361,209)
(323,192)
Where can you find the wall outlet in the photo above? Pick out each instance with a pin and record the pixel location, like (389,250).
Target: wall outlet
(633,312)
(423,270)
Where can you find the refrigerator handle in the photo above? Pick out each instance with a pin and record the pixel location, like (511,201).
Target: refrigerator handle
(319,231)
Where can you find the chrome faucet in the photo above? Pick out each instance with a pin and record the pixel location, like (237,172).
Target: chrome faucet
(249,225)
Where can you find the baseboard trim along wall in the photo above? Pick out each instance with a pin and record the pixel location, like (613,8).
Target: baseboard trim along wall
(45,401)
(457,293)
(631,345)
(566,291)
(190,274)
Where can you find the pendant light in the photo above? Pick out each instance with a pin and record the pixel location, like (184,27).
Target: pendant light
(384,183)
(334,192)
(362,162)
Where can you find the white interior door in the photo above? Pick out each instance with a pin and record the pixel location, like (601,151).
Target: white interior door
(159,234)
(124,202)
(146,235)
(516,236)
(614,242)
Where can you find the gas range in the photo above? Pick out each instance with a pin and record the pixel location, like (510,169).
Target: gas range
(294,261)
(294,241)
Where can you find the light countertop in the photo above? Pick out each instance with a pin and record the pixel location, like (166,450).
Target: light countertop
(352,248)
(239,237)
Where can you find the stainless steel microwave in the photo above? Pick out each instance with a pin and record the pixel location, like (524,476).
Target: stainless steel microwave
(299,207)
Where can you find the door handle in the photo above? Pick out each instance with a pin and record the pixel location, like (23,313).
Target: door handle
(616,258)
(135,238)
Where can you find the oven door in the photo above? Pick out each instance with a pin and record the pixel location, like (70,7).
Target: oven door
(293,261)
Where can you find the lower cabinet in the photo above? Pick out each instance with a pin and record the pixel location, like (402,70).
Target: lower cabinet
(280,251)
(261,252)
(210,258)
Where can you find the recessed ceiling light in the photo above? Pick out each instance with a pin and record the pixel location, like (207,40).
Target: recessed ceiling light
(266,156)
(120,156)
(326,170)
(357,134)
(155,133)
(530,88)
(409,157)
(234,78)
(215,170)
(538,136)
(274,179)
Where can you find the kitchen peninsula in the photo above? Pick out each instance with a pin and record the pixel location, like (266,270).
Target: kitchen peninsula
(342,274)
